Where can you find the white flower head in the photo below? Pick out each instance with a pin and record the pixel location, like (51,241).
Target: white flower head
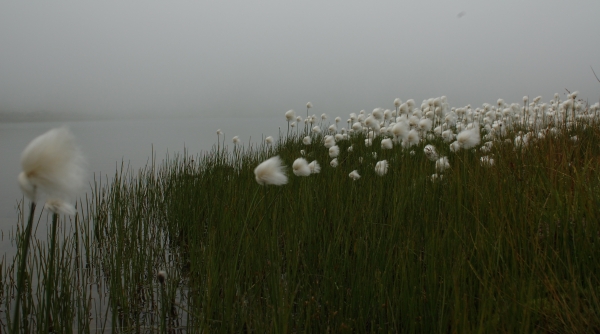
(300,167)
(334,163)
(269,140)
(219,132)
(59,206)
(53,164)
(455,146)
(430,152)
(486,161)
(289,115)
(425,124)
(354,175)
(329,141)
(387,144)
(306,140)
(316,129)
(400,130)
(235,140)
(442,164)
(381,168)
(469,138)
(271,171)
(314,167)
(309,105)
(334,151)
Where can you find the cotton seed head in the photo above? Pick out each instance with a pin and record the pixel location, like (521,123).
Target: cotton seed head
(53,164)
(271,171)
(381,168)
(300,167)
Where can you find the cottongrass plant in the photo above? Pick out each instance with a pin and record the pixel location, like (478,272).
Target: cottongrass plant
(52,165)
(449,245)
(271,172)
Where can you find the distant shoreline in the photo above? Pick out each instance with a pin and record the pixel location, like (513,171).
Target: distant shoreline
(39,117)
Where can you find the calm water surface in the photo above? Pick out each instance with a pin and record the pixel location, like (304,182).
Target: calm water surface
(107,143)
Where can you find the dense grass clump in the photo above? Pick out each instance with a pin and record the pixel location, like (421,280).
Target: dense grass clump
(508,246)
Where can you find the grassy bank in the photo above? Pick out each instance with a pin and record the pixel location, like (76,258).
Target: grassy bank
(508,247)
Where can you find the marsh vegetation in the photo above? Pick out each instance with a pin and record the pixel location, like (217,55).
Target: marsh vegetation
(480,220)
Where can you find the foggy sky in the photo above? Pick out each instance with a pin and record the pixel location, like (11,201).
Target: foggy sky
(265,57)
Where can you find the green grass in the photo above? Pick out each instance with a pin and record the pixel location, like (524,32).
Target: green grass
(511,248)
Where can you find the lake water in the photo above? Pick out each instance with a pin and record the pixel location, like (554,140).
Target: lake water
(106,143)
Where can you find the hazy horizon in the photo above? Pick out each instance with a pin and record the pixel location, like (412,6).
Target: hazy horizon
(266,57)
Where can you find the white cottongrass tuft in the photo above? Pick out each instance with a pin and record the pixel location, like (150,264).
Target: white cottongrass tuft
(235,140)
(271,171)
(53,164)
(334,163)
(386,144)
(469,138)
(316,129)
(354,175)
(329,141)
(351,148)
(314,167)
(455,146)
(372,123)
(302,152)
(430,152)
(412,139)
(306,140)
(442,164)
(425,124)
(290,115)
(486,161)
(269,140)
(447,135)
(368,142)
(381,168)
(400,130)
(300,167)
(309,105)
(59,206)
(334,151)
(219,132)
